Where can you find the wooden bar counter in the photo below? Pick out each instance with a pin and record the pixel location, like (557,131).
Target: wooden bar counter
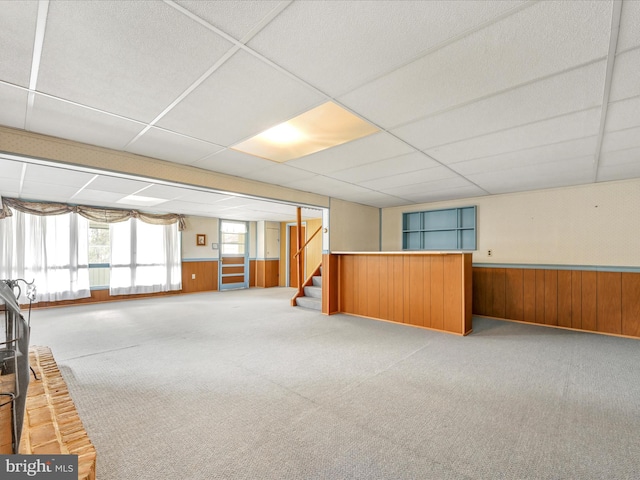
(424,289)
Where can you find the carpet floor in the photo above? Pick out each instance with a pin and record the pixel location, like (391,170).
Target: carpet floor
(239,385)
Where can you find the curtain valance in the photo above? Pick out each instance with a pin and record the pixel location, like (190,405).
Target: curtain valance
(102,215)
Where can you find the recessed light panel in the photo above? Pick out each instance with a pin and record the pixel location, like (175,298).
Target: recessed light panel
(141,201)
(318,129)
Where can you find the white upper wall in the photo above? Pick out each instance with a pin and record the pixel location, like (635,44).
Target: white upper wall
(353,227)
(597,224)
(200,225)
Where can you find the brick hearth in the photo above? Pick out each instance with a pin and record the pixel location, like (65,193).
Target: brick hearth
(52,424)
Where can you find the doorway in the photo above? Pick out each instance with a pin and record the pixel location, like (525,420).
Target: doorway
(234,255)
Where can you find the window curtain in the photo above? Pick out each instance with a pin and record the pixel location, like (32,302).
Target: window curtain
(102,215)
(145,258)
(52,250)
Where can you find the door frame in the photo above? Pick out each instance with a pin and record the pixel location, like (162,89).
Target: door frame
(287,247)
(245,264)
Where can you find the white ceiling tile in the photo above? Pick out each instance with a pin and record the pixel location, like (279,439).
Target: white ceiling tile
(625,81)
(363,39)
(57,176)
(572,91)
(619,165)
(365,150)
(39,190)
(9,189)
(14,106)
(496,87)
(234,18)
(10,178)
(266,213)
(129,58)
(408,179)
(232,162)
(233,201)
(623,114)
(556,130)
(522,158)
(165,145)
(196,196)
(98,198)
(242,98)
(181,205)
(546,38)
(279,174)
(65,120)
(17,29)
(428,186)
(455,193)
(62,184)
(621,140)
(629,34)
(118,185)
(272,207)
(10,168)
(375,199)
(163,191)
(574,171)
(45,197)
(329,186)
(192,208)
(384,168)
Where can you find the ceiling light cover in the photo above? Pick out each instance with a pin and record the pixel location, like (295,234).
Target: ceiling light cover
(141,201)
(320,128)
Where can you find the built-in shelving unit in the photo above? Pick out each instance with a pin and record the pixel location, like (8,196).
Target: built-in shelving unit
(447,229)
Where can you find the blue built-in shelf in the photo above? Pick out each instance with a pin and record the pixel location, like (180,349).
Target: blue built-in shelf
(446,229)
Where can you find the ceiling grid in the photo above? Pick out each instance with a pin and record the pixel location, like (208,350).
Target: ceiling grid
(472,98)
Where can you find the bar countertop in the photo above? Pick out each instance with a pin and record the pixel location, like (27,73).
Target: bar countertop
(406,252)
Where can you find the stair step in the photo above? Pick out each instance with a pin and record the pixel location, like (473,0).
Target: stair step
(317,280)
(314,292)
(309,302)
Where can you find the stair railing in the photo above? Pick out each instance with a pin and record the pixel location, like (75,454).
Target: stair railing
(297,254)
(300,260)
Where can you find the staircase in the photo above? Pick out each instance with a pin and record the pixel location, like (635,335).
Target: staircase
(312,298)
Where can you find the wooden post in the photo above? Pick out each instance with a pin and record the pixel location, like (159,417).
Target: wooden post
(300,256)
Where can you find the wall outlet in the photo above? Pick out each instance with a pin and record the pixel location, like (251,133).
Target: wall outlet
(193,276)
(489,253)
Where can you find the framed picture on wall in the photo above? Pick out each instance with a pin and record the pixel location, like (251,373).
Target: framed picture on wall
(201,239)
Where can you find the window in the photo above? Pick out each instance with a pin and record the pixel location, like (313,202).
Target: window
(67,254)
(233,238)
(51,250)
(145,258)
(449,229)
(99,255)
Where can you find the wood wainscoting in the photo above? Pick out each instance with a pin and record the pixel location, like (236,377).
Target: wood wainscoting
(206,273)
(596,301)
(267,273)
(423,289)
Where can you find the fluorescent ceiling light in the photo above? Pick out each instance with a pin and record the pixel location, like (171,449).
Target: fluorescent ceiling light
(318,129)
(141,201)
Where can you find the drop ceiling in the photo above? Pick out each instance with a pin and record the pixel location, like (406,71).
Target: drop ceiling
(471,98)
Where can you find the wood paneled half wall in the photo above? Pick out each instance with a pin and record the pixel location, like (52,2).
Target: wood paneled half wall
(592,300)
(423,289)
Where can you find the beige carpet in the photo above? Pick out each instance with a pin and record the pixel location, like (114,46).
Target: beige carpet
(238,385)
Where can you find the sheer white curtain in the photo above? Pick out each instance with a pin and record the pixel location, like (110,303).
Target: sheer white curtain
(144,258)
(52,250)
